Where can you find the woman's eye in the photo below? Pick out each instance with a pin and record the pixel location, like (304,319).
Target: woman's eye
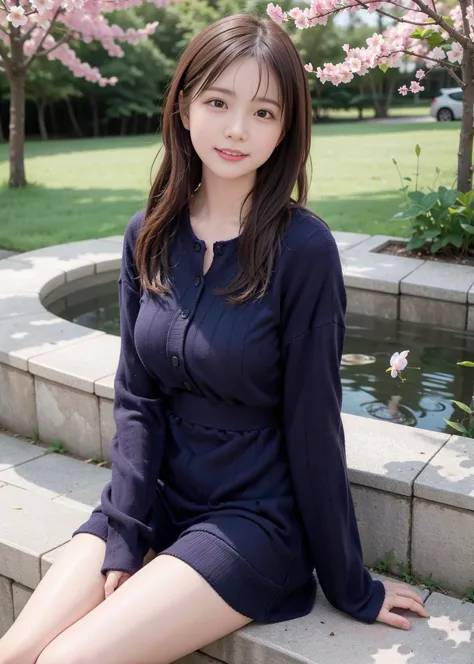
(217,101)
(262,110)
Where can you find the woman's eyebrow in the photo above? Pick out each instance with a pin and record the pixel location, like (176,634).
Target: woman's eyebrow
(232,93)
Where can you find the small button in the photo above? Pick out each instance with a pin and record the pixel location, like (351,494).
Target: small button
(187,386)
(197,246)
(185,313)
(175,361)
(218,249)
(197,281)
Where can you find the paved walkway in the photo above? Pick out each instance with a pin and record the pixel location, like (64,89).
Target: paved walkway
(5,254)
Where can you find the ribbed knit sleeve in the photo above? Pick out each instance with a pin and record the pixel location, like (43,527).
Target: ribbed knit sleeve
(313,335)
(137,447)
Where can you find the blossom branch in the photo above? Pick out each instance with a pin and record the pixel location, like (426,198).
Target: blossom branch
(439,20)
(67,37)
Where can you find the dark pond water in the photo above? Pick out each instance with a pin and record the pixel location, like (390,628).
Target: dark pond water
(422,401)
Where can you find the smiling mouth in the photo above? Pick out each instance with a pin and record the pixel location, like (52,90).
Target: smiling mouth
(232,153)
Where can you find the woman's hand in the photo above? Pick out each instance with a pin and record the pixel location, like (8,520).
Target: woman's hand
(400,595)
(114,580)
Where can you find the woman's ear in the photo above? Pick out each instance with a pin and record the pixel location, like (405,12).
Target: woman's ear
(183,113)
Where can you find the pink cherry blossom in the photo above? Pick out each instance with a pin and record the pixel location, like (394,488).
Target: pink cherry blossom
(403,90)
(456,53)
(420,74)
(416,87)
(17,16)
(398,362)
(309,67)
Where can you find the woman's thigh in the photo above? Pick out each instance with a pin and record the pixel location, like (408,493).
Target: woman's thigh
(163,612)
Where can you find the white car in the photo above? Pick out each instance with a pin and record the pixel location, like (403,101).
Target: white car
(447,105)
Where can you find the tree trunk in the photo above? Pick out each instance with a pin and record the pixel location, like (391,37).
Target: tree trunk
(123,125)
(16,77)
(41,105)
(72,116)
(95,117)
(2,135)
(466,137)
(379,107)
(53,119)
(135,119)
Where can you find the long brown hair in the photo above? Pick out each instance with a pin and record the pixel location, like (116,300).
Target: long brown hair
(205,58)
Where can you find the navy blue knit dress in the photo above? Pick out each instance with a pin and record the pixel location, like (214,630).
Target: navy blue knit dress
(229,450)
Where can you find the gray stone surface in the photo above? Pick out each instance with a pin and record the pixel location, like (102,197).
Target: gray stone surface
(371,303)
(433,312)
(14,452)
(21,595)
(5,253)
(76,259)
(107,426)
(77,291)
(18,401)
(93,358)
(6,605)
(365,269)
(327,636)
(24,337)
(345,240)
(19,305)
(66,480)
(384,525)
(19,275)
(105,386)
(197,658)
(31,526)
(449,477)
(442,545)
(70,416)
(441,281)
(388,456)
(470,318)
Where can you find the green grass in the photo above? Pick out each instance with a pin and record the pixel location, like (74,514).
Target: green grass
(89,188)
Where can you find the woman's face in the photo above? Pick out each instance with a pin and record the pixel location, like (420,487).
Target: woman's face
(225,117)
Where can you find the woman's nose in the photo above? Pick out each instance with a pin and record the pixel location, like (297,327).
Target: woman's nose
(236,128)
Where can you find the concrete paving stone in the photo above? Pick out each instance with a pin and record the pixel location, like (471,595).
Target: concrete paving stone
(197,658)
(18,305)
(384,522)
(75,259)
(19,276)
(371,303)
(69,481)
(105,387)
(114,238)
(449,476)
(328,636)
(77,291)
(442,545)
(365,269)
(18,401)
(70,416)
(14,452)
(415,309)
(21,595)
(470,318)
(7,614)
(345,240)
(5,253)
(441,281)
(31,526)
(24,337)
(107,426)
(388,456)
(91,359)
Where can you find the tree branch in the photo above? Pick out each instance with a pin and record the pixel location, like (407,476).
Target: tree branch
(384,13)
(439,20)
(47,32)
(438,62)
(37,54)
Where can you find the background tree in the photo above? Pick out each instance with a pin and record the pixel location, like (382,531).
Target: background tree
(441,35)
(46,28)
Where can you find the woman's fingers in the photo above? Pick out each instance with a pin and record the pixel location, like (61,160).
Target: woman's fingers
(392,619)
(400,596)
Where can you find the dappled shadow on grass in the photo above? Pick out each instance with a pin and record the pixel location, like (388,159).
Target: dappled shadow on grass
(37,217)
(38,148)
(361,213)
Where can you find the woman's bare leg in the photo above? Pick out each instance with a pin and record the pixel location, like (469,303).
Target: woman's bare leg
(162,613)
(72,587)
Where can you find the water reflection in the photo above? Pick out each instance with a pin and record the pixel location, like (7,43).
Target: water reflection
(423,400)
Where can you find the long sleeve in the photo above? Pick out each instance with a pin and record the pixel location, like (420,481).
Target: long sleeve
(313,336)
(137,446)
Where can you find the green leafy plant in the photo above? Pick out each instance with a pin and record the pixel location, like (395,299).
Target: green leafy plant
(441,220)
(468,428)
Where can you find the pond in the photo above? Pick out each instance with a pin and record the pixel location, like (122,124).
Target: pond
(422,401)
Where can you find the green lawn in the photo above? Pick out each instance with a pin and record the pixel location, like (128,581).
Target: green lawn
(90,188)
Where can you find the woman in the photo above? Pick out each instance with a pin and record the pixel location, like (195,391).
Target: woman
(229,456)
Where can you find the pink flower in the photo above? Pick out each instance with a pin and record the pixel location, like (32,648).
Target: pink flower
(416,87)
(456,53)
(309,67)
(398,362)
(420,74)
(403,90)
(276,13)
(17,16)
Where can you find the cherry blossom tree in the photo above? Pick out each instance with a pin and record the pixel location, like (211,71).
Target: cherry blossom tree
(420,31)
(48,28)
